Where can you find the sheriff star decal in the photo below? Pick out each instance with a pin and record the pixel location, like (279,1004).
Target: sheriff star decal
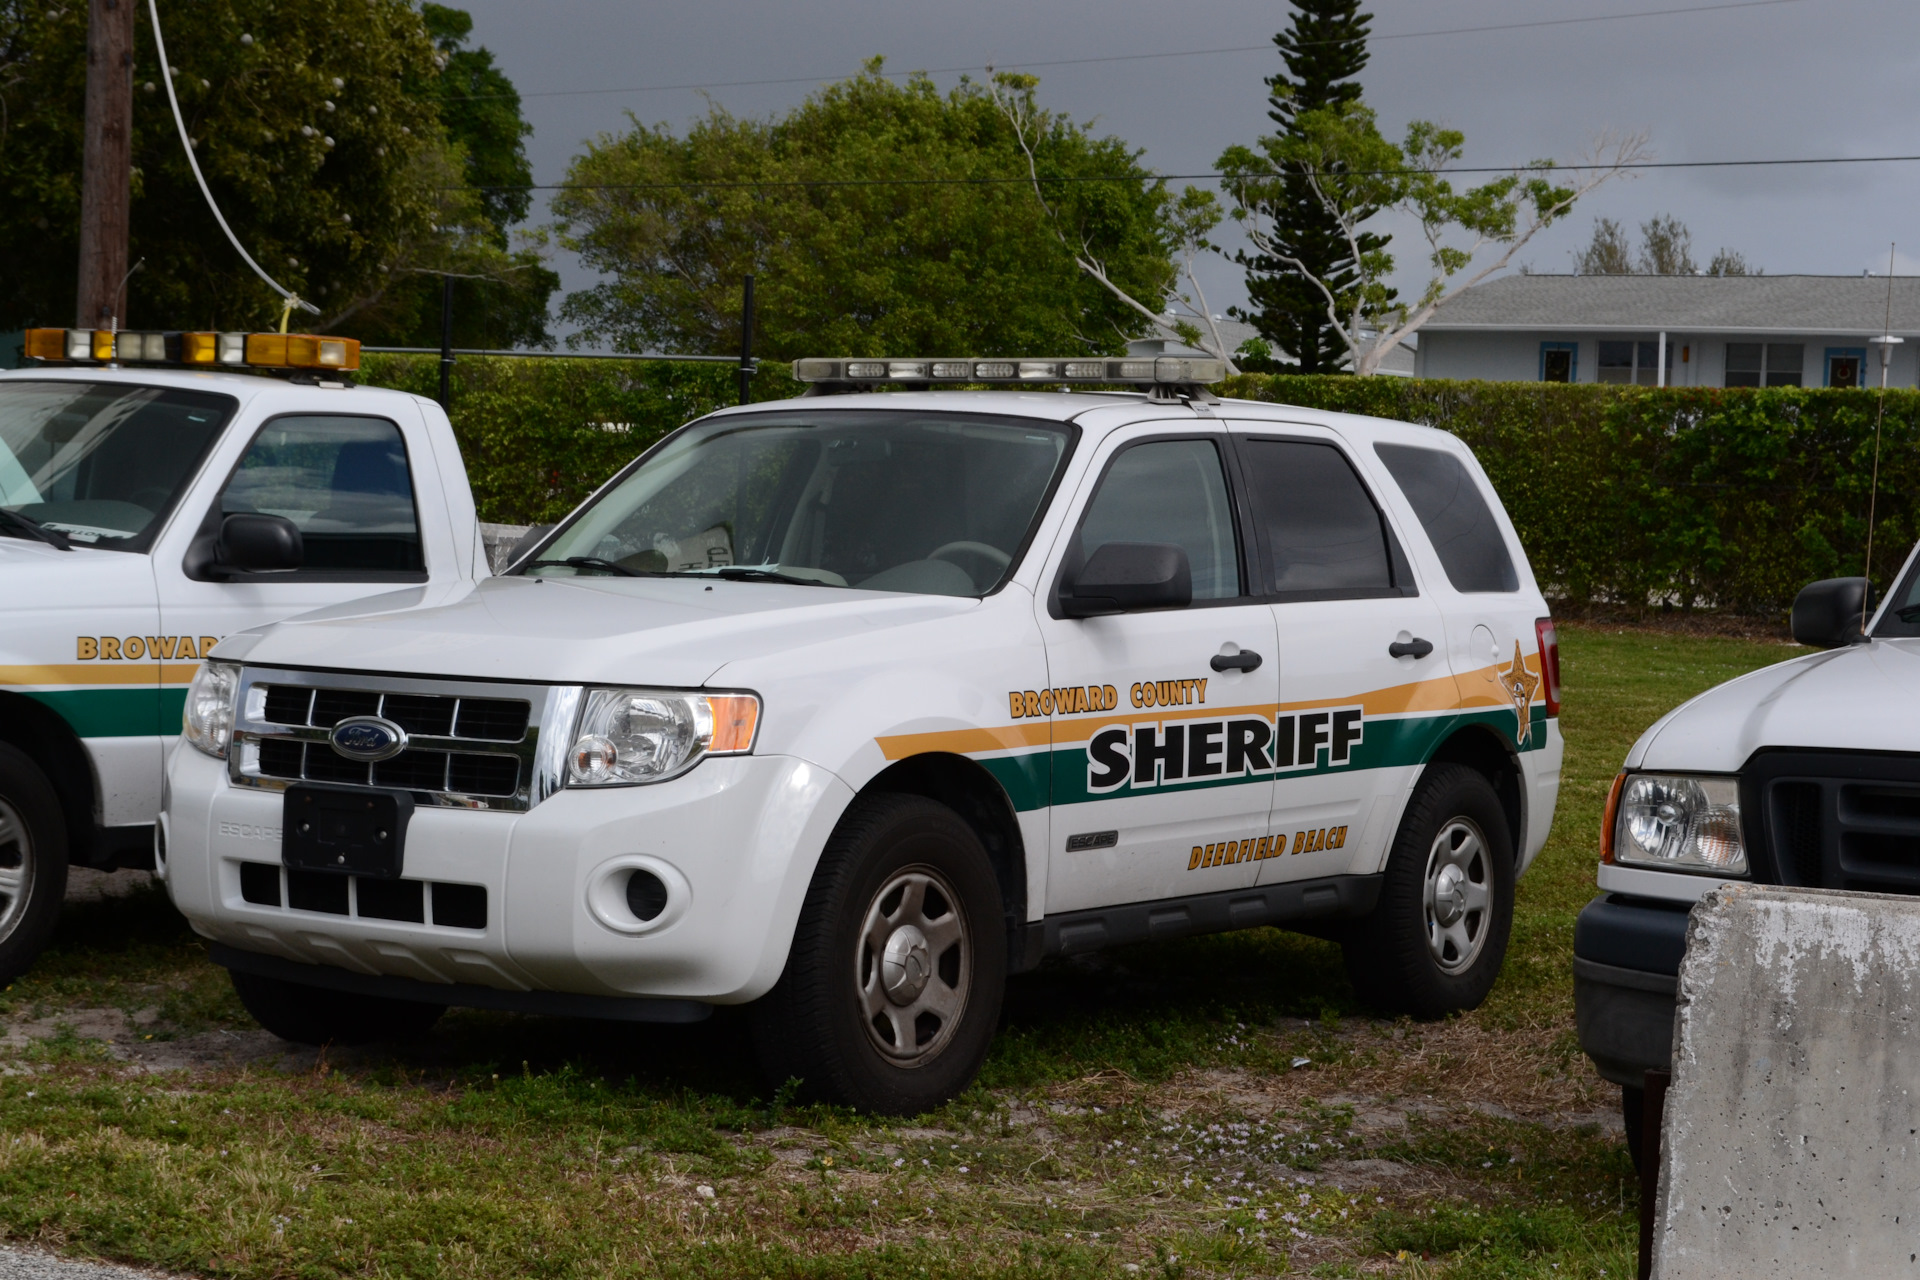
(1520,685)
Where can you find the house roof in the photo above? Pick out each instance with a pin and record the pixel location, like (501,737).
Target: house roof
(1685,304)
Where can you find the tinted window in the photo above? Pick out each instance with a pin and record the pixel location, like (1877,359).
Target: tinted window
(1455,516)
(343,481)
(1170,491)
(1323,532)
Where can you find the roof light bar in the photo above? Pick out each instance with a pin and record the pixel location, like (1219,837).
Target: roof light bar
(1153,369)
(255,350)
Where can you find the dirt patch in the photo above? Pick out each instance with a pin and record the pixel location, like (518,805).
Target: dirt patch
(84,884)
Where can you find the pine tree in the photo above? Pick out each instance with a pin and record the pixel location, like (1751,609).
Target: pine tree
(1324,50)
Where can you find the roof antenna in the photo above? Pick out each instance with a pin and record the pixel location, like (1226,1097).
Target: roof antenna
(166,78)
(1885,342)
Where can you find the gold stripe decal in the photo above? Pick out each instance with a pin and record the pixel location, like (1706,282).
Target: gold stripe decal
(124,673)
(1466,691)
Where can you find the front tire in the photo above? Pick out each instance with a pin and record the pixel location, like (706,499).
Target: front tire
(33,862)
(316,1015)
(1438,936)
(892,988)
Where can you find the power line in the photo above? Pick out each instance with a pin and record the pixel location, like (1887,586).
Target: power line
(1172,53)
(1169,177)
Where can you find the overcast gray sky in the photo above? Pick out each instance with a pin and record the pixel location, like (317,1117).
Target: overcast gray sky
(1794,78)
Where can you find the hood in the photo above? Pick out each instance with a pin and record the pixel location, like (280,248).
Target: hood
(667,631)
(1862,698)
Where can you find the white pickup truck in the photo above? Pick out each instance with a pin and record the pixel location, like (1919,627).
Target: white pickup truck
(146,512)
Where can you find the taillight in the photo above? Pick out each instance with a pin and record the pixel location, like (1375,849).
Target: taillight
(1549,662)
(1607,818)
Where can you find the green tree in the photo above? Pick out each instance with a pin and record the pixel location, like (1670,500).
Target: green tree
(876,218)
(318,130)
(502,293)
(1356,174)
(1325,50)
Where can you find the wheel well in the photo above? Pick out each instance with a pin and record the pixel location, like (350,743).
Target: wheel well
(1481,749)
(973,793)
(37,731)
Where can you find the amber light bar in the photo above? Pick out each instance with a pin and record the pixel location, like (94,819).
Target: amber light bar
(232,350)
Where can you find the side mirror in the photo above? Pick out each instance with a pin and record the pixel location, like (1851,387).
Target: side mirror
(251,543)
(1826,614)
(1121,577)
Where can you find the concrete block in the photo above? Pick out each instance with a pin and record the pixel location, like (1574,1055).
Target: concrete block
(1792,1137)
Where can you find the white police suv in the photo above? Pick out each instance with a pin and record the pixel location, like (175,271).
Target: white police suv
(1803,773)
(154,496)
(849,706)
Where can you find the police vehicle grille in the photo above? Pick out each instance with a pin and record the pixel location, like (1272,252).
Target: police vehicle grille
(1839,820)
(466,746)
(485,719)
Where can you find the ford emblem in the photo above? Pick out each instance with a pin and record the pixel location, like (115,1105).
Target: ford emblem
(368,738)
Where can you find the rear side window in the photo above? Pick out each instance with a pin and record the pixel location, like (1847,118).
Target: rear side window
(1322,530)
(343,481)
(1457,519)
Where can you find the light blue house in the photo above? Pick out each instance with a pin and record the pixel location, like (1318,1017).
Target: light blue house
(1681,331)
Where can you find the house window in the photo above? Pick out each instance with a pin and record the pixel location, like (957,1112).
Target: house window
(1770,364)
(1846,367)
(1559,362)
(1634,363)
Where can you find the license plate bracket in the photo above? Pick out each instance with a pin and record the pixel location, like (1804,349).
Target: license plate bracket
(345,830)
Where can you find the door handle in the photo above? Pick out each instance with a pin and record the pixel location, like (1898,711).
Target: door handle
(1414,648)
(1245,660)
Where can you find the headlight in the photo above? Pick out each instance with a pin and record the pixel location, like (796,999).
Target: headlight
(630,736)
(1680,823)
(207,721)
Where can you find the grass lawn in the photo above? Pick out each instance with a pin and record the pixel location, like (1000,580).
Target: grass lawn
(1210,1107)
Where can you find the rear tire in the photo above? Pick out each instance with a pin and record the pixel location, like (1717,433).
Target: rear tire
(1438,936)
(892,988)
(33,862)
(316,1015)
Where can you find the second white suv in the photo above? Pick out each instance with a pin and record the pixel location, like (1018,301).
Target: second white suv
(849,706)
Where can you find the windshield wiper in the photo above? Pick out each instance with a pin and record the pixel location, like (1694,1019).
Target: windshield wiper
(27,527)
(738,572)
(595,562)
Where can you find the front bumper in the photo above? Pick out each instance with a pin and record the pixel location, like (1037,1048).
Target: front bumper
(736,840)
(1626,966)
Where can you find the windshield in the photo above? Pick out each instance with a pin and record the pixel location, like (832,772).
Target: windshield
(883,500)
(100,462)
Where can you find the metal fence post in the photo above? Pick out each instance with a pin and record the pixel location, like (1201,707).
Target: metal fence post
(746,341)
(446,342)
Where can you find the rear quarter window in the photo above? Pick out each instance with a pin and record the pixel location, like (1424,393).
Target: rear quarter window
(1455,516)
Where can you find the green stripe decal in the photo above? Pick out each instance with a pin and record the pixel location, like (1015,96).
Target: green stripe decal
(117,713)
(1389,743)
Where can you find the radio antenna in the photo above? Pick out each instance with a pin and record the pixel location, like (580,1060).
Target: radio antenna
(1885,342)
(186,142)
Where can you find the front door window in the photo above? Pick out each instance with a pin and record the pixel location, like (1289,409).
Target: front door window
(344,482)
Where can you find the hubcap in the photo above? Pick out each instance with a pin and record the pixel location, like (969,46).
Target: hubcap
(16,869)
(1459,894)
(912,966)
(904,965)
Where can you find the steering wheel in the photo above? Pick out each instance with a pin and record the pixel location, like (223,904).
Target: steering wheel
(1000,558)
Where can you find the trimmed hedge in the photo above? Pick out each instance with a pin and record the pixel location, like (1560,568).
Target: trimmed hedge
(538,436)
(1699,496)
(1624,495)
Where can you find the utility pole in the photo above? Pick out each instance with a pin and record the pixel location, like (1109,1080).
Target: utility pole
(106,183)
